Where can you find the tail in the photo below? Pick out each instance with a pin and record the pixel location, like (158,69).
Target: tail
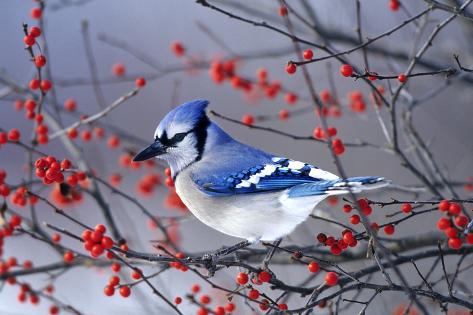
(338,186)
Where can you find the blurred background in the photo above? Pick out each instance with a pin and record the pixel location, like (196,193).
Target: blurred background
(149,27)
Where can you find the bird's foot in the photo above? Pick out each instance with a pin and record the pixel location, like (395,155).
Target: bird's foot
(210,260)
(210,263)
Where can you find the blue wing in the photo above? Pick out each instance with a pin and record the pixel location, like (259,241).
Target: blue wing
(275,174)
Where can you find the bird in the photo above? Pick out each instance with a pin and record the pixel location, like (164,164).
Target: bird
(237,189)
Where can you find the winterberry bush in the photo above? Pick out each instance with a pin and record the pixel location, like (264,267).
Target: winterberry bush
(74,205)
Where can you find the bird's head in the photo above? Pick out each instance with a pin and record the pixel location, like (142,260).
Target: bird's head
(180,137)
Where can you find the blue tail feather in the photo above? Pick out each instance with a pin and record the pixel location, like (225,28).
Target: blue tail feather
(336,186)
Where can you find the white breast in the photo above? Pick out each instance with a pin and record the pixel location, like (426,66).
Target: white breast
(254,216)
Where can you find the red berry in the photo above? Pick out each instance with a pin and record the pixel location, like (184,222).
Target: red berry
(374,226)
(109,290)
(313,267)
(169,182)
(318,133)
(332,131)
(53,310)
(248,119)
(34,299)
(72,133)
(454,209)
(335,249)
(308,54)
(114,280)
(15,221)
(65,164)
(140,82)
(70,105)
(36,13)
(355,219)
(100,228)
(290,98)
(402,78)
(347,208)
(264,276)
(136,274)
(322,238)
(46,85)
(455,243)
(348,236)
(34,84)
(283,114)
(125,291)
(469,238)
(282,306)
(461,221)
(56,238)
(264,305)
(406,208)
(331,278)
(291,68)
(444,205)
(337,146)
(178,300)
(242,278)
(394,5)
(42,129)
(389,229)
(30,114)
(116,267)
(86,135)
(282,11)
(253,294)
(443,223)
(14,135)
(346,70)
(113,141)
(29,40)
(27,264)
(202,311)
(373,76)
(205,299)
(68,257)
(230,307)
(178,49)
(195,288)
(118,69)
(81,175)
(35,31)
(40,61)
(451,232)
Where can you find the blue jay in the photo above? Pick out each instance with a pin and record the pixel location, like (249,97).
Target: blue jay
(237,189)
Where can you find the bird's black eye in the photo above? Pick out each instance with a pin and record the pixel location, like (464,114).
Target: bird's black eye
(179,137)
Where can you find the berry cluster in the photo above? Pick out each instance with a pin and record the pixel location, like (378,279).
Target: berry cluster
(95,242)
(51,171)
(179,265)
(453,224)
(338,245)
(4,189)
(20,197)
(204,302)
(147,184)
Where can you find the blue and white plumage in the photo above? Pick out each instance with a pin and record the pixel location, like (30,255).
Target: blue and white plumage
(237,189)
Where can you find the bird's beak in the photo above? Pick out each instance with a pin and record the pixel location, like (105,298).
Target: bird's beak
(153,150)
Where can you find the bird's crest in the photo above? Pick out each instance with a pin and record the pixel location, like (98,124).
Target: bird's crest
(181,117)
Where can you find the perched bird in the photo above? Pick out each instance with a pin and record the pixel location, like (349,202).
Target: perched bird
(235,188)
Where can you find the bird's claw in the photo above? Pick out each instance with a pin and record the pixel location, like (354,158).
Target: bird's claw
(210,263)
